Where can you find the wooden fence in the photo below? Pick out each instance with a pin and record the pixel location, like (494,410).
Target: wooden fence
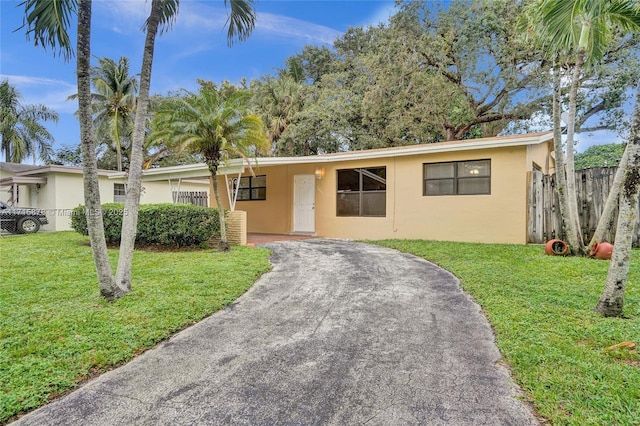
(197,198)
(592,187)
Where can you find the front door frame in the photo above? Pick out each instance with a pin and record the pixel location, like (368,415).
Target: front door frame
(304,218)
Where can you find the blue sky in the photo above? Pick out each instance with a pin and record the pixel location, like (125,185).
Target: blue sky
(194,48)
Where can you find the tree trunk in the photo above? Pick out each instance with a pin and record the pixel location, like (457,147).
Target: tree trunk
(612,201)
(223,245)
(134,184)
(574,234)
(612,299)
(119,159)
(561,177)
(108,288)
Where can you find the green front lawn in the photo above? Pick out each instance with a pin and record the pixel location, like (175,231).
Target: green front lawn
(541,310)
(55,330)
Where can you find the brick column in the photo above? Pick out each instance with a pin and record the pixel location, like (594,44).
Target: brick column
(237,228)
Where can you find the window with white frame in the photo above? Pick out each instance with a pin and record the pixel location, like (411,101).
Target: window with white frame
(119,193)
(457,178)
(362,192)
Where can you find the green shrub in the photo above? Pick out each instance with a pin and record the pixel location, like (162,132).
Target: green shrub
(165,224)
(176,224)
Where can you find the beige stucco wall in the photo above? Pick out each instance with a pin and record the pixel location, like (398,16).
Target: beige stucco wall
(62,193)
(540,156)
(65,191)
(496,218)
(275,214)
(160,192)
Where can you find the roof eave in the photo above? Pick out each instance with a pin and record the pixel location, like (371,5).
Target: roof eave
(472,144)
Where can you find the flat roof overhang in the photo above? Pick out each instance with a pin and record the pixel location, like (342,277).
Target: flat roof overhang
(238,165)
(22,180)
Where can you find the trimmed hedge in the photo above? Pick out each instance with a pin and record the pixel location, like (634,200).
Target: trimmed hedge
(165,224)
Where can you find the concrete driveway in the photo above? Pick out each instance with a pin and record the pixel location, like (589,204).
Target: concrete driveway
(339,333)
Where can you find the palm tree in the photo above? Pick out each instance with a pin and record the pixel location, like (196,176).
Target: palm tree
(278,99)
(579,31)
(612,299)
(215,127)
(20,127)
(241,21)
(109,288)
(113,102)
(47,22)
(163,14)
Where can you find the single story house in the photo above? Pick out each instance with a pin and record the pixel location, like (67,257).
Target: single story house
(471,190)
(59,189)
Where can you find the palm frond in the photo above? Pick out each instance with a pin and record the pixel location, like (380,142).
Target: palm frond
(47,22)
(168,15)
(241,20)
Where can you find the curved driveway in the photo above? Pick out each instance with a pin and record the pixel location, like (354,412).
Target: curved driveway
(338,333)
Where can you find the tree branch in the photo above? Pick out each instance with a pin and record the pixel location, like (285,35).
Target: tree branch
(590,113)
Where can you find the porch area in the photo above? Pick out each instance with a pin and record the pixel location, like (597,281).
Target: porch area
(255,238)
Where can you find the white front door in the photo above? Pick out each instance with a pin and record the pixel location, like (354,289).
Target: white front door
(304,203)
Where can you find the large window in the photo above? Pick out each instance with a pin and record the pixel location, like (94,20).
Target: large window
(119,193)
(458,178)
(362,192)
(252,188)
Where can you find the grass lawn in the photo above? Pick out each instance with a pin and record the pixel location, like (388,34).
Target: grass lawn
(541,310)
(55,330)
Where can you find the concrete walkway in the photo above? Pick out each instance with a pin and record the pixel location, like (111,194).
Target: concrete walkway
(339,333)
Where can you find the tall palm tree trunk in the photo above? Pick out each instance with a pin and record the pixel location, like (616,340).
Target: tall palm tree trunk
(119,159)
(134,184)
(574,233)
(561,176)
(609,206)
(108,287)
(223,245)
(612,299)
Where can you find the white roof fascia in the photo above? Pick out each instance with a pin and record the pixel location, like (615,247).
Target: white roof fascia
(471,144)
(198,170)
(60,169)
(187,171)
(238,165)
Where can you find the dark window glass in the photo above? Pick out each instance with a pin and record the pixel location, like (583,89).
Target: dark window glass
(362,192)
(349,204)
(458,178)
(374,179)
(348,180)
(251,188)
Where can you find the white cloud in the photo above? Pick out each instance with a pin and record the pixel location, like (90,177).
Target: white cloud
(198,17)
(122,17)
(300,30)
(46,91)
(127,17)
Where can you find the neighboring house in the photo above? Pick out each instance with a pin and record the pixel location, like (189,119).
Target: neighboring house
(58,189)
